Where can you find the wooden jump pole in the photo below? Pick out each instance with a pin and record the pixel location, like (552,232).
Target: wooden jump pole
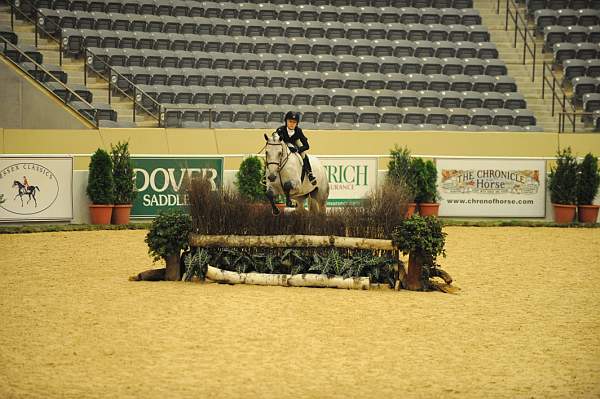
(295,241)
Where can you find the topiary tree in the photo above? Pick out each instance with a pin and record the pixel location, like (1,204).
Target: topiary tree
(588,180)
(249,179)
(122,173)
(423,240)
(168,236)
(563,179)
(101,187)
(400,170)
(425,177)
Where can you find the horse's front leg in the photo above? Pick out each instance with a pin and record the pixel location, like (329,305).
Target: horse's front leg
(271,197)
(287,187)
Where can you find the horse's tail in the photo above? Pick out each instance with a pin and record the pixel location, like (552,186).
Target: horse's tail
(36,188)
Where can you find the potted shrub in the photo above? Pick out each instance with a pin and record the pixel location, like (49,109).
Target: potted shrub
(563,186)
(423,240)
(124,183)
(425,175)
(400,173)
(588,180)
(168,236)
(249,179)
(100,187)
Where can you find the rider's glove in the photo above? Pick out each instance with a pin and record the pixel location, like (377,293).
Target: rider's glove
(293,149)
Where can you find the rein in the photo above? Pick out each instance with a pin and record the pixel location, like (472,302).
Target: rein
(282,162)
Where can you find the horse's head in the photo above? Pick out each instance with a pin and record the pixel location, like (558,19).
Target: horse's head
(16,183)
(275,152)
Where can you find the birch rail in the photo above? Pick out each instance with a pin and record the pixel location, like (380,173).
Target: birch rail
(283,241)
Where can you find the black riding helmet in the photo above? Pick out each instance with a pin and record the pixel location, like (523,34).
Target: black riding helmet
(292,115)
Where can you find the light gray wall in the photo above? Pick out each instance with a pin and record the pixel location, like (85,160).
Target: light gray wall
(19,95)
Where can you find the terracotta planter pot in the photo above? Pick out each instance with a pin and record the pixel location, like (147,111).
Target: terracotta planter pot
(564,213)
(588,213)
(120,214)
(411,207)
(426,209)
(100,214)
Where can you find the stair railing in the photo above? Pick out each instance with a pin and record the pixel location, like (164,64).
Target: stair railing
(559,96)
(37,19)
(68,98)
(112,77)
(522,30)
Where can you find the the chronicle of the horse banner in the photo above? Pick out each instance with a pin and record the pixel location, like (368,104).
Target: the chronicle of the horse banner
(286,175)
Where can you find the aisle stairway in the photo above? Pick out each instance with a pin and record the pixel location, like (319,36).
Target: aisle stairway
(514,61)
(75,70)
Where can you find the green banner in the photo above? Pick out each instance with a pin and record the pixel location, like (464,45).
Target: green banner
(159,181)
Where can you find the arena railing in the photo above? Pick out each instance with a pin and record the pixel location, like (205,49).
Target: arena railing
(111,76)
(41,69)
(37,20)
(522,30)
(139,98)
(572,117)
(558,96)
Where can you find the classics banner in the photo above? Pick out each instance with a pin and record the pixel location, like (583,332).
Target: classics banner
(492,187)
(36,188)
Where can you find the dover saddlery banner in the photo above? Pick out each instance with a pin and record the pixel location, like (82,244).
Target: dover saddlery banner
(492,187)
(159,181)
(36,188)
(350,178)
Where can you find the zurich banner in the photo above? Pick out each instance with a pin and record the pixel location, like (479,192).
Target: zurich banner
(350,178)
(161,181)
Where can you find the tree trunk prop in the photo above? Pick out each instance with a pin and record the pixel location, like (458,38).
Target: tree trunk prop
(283,241)
(414,280)
(150,275)
(173,271)
(288,280)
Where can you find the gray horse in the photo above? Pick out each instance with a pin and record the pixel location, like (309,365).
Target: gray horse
(285,175)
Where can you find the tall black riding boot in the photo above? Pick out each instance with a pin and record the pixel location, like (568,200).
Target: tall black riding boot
(308,169)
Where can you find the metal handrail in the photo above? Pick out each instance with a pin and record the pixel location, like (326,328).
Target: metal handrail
(524,32)
(48,73)
(136,97)
(15,7)
(560,96)
(138,94)
(572,116)
(112,72)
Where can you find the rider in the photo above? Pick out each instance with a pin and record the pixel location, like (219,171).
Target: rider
(26,183)
(295,139)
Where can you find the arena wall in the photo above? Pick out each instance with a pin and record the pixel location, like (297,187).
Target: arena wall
(233,145)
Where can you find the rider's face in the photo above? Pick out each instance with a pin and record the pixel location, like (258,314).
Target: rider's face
(291,123)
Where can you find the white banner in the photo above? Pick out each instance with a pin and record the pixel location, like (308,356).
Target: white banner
(36,188)
(350,178)
(492,187)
